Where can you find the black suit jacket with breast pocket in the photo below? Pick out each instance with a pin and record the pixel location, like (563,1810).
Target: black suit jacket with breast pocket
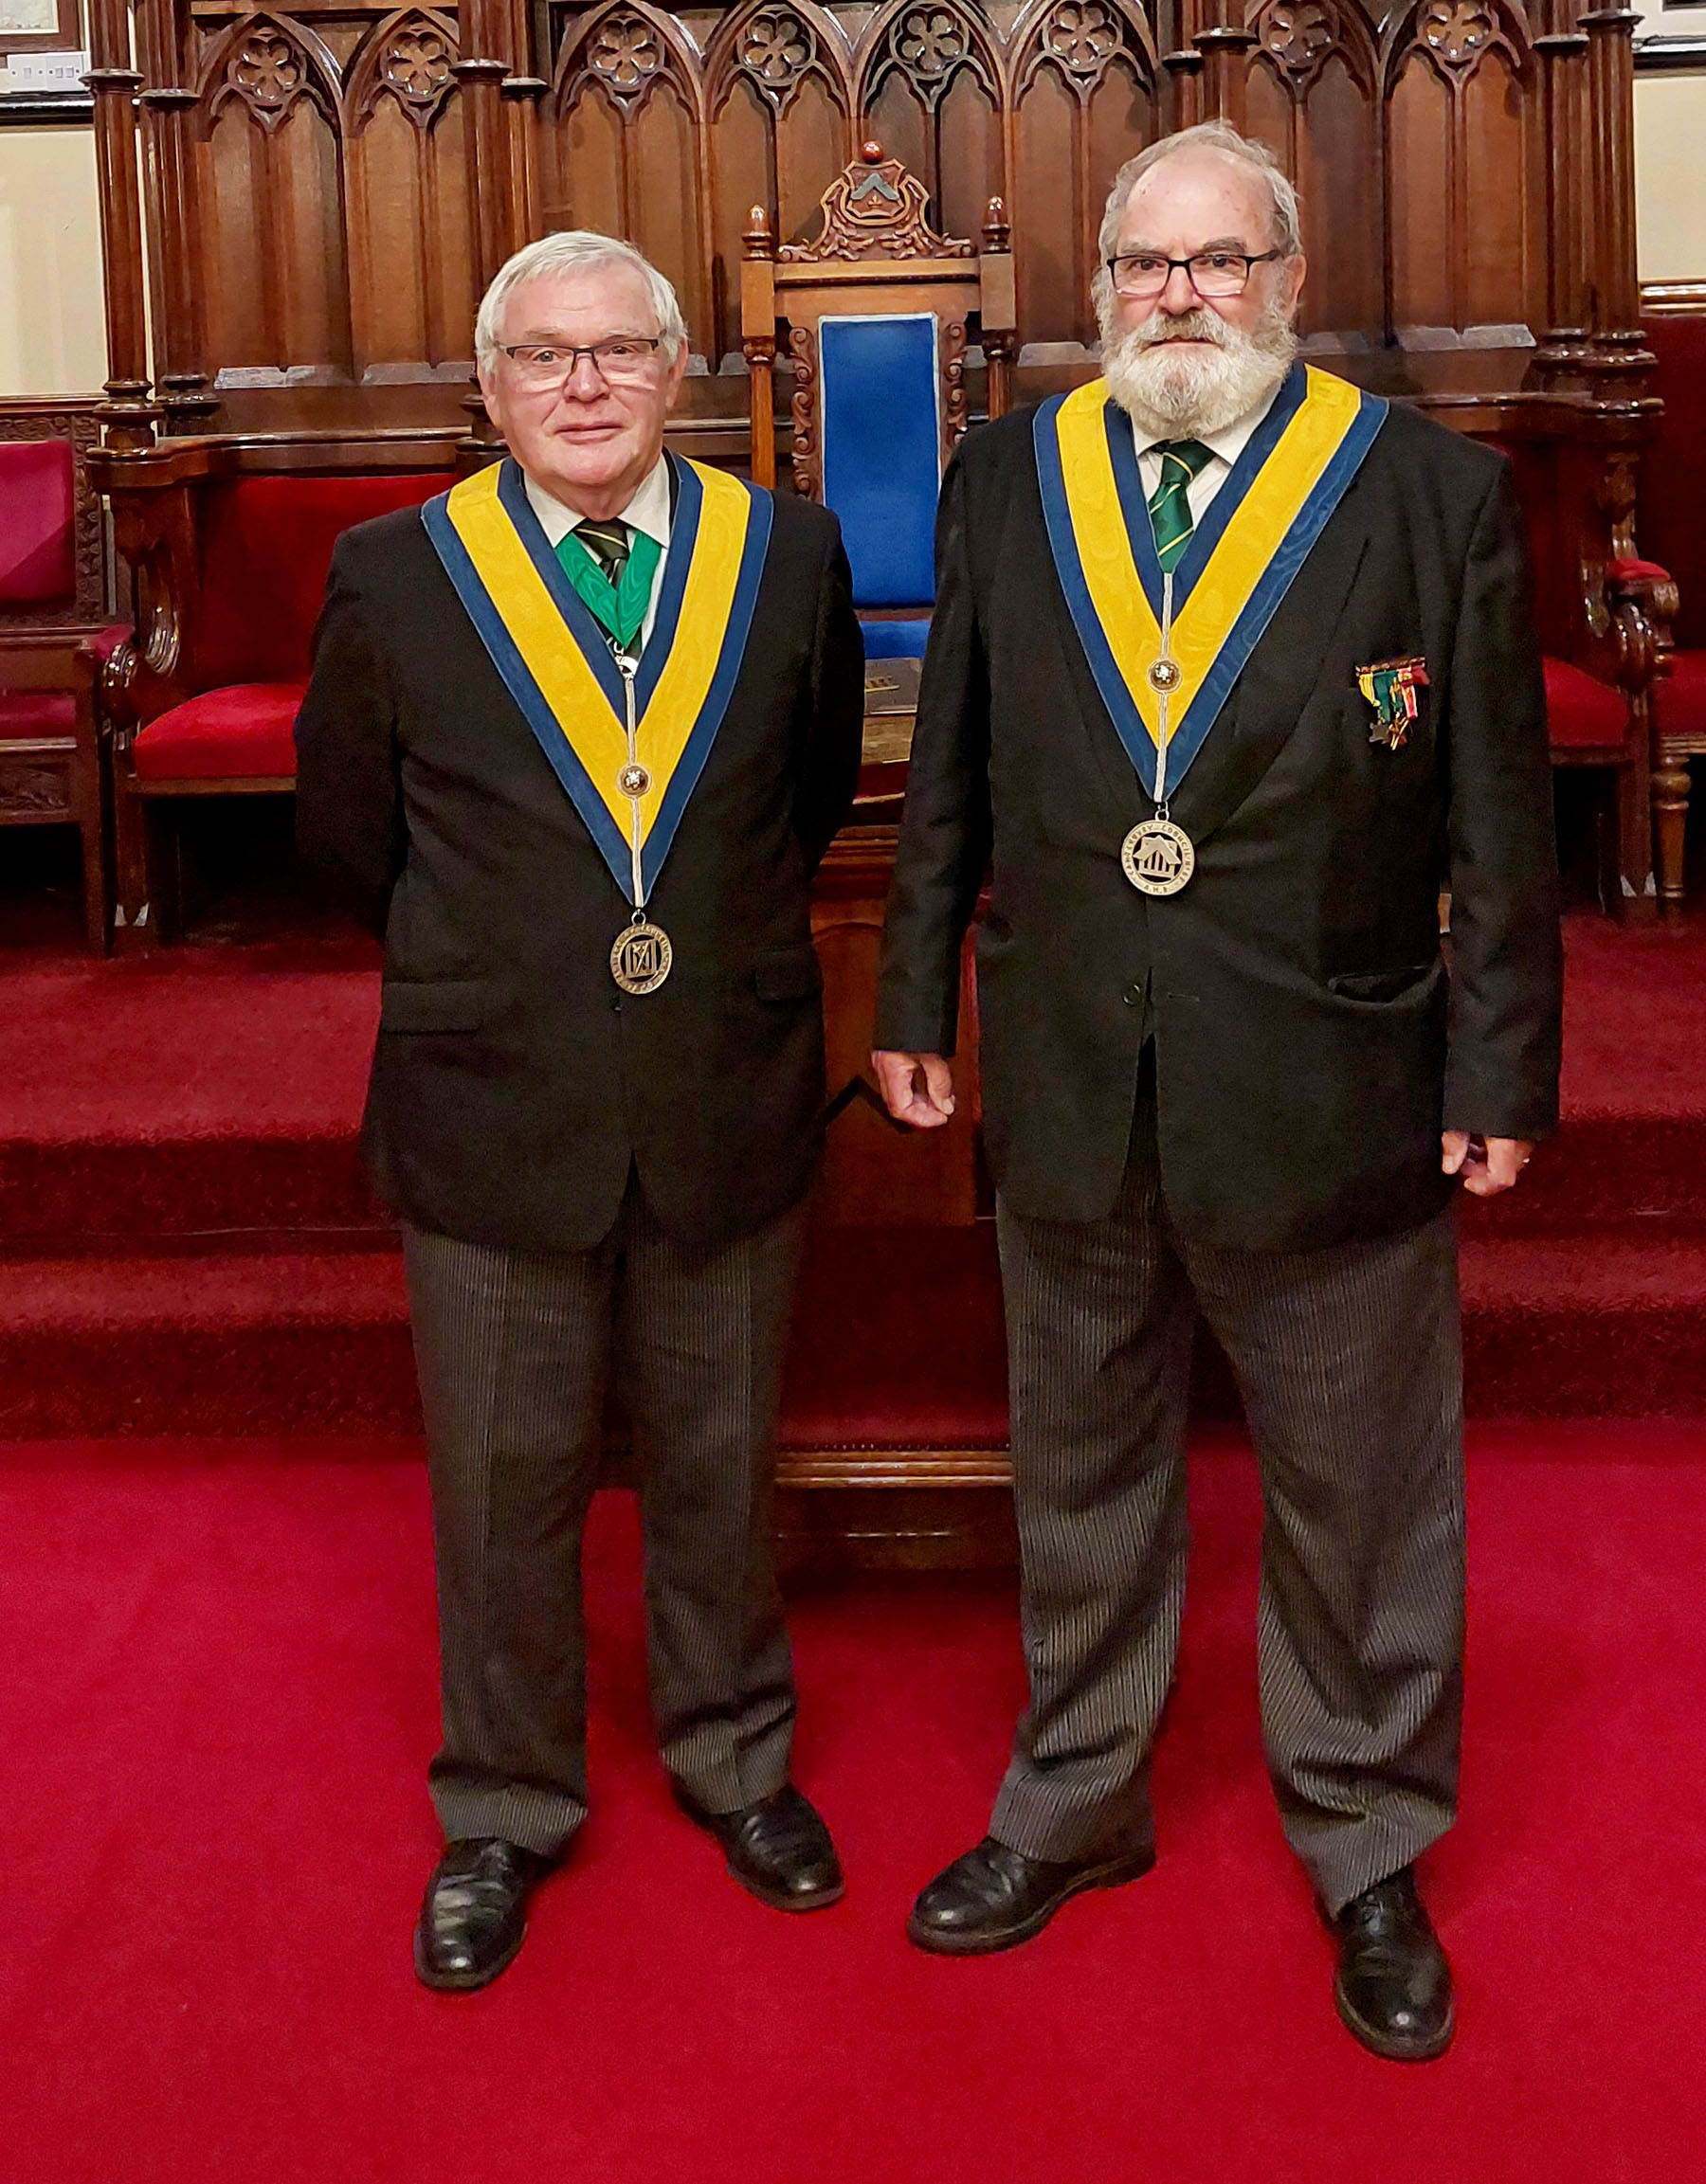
(1310,1043)
(514,1086)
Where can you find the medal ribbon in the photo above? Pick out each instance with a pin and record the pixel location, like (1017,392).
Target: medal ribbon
(1254,537)
(556,663)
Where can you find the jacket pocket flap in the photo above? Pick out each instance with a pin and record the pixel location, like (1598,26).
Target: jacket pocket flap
(788,974)
(1402,985)
(437,1004)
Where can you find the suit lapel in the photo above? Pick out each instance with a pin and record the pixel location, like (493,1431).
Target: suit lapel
(1265,705)
(1269,697)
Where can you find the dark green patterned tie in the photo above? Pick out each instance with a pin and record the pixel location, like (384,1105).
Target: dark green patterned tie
(611,566)
(1170,505)
(609,544)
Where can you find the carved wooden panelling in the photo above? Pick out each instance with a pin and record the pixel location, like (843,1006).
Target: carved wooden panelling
(335,184)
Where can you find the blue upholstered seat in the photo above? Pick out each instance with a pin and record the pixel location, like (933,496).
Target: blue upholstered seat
(880,420)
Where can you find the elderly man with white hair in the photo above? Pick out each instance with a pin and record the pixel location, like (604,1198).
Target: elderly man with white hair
(577,737)
(1231,673)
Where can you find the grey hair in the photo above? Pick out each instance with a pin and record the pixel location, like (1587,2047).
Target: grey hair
(569,251)
(1205,137)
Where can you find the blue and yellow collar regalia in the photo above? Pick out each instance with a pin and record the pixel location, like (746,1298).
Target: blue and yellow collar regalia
(1243,557)
(556,663)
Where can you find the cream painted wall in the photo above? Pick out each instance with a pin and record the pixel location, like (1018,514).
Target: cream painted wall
(52,330)
(1670,172)
(1670,154)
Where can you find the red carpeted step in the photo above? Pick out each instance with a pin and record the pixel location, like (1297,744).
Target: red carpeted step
(217,1093)
(297,1342)
(283,1344)
(1597,1327)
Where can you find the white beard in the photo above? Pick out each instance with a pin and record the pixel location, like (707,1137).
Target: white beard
(1178,393)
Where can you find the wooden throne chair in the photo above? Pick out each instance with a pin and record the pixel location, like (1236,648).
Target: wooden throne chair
(876,315)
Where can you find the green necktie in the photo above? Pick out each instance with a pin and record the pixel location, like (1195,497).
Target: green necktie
(1170,505)
(611,566)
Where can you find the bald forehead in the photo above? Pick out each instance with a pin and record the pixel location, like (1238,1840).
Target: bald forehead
(1196,200)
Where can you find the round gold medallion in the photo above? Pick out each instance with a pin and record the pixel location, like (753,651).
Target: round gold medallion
(641,959)
(1157,856)
(1165,674)
(633,780)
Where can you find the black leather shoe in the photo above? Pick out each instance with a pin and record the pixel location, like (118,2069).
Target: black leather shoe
(473,1916)
(994,1898)
(779,1850)
(1393,1987)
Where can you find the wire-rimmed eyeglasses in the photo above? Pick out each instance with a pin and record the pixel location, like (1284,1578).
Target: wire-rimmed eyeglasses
(619,357)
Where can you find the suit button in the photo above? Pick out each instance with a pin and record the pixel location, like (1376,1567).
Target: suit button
(616,1008)
(1133,996)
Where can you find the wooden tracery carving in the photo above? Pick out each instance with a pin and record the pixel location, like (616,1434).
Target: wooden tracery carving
(776,48)
(929,44)
(266,63)
(409,58)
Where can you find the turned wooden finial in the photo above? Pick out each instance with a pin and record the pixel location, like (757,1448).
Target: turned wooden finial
(997,233)
(871,153)
(759,242)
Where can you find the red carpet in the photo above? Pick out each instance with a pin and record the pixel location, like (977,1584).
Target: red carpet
(217,1832)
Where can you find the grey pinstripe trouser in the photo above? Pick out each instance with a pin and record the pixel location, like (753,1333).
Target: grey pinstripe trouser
(1350,1363)
(514,1350)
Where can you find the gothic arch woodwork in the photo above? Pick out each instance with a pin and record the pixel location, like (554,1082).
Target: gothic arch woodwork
(1313,95)
(1465,152)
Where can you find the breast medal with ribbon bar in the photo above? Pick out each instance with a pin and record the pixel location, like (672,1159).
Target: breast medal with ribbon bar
(589,704)
(1390,687)
(1166,650)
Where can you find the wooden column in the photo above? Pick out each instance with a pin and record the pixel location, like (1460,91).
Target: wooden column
(521,92)
(1621,354)
(1560,360)
(1185,106)
(758,339)
(127,417)
(180,373)
(1225,50)
(997,310)
(481,75)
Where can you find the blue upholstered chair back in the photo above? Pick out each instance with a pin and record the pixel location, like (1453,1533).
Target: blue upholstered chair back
(881,436)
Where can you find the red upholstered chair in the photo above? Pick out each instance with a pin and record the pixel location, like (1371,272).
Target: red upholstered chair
(55,636)
(247,558)
(1671,516)
(1598,646)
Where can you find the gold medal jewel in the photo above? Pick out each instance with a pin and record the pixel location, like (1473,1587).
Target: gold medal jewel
(1157,856)
(633,781)
(639,961)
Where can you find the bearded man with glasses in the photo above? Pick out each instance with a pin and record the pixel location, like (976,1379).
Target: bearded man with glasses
(578,734)
(1231,673)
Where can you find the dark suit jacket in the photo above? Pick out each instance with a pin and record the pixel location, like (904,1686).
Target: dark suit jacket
(514,1085)
(1309,1045)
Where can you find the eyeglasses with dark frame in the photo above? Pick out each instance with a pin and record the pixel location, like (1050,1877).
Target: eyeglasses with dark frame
(618,358)
(1211,273)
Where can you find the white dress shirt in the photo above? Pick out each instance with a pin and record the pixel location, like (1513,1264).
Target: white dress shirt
(649,511)
(1227,445)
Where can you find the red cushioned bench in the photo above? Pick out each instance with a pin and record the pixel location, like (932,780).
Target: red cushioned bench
(211,700)
(56,635)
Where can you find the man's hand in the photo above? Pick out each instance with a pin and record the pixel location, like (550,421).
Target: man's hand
(1492,1164)
(918,1088)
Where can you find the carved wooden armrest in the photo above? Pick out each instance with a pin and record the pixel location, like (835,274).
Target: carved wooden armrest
(1650,590)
